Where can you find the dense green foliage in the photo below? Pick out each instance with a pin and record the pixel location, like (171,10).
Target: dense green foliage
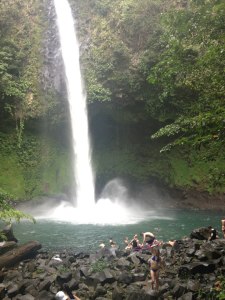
(118,54)
(154,74)
(162,64)
(38,167)
(190,75)
(21,96)
(7,212)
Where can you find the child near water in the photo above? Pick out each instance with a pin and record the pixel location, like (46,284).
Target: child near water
(154,263)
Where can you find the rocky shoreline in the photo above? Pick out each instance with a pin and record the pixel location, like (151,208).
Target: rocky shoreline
(192,269)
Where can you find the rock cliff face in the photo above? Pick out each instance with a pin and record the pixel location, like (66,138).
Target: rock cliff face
(191,269)
(52,76)
(192,199)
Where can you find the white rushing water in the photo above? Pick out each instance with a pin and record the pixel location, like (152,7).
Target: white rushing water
(77,103)
(113,208)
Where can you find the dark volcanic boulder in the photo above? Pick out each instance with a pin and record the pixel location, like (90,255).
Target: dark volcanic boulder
(197,267)
(187,296)
(202,233)
(179,290)
(125,277)
(105,276)
(44,295)
(135,294)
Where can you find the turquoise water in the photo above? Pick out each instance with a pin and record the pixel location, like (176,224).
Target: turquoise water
(166,225)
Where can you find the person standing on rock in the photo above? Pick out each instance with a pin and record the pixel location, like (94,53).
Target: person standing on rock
(154,263)
(223,227)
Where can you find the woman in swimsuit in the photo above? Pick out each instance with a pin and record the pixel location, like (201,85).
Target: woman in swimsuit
(154,263)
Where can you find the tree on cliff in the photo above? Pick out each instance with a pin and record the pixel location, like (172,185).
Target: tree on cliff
(7,212)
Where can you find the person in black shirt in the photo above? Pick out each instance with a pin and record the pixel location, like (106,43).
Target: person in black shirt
(135,242)
(213,233)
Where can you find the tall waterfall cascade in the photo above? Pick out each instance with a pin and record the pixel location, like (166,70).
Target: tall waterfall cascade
(85,195)
(115,205)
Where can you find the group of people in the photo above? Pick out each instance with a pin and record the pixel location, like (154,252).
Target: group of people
(148,241)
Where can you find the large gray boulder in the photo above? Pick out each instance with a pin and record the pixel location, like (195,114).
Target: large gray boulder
(202,233)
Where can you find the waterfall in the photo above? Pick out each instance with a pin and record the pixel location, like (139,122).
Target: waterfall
(115,206)
(77,104)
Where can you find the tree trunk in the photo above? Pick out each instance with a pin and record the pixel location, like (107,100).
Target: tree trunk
(14,256)
(7,246)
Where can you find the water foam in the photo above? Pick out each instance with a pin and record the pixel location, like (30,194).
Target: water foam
(104,212)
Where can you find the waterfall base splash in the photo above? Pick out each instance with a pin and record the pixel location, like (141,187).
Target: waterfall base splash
(115,207)
(104,212)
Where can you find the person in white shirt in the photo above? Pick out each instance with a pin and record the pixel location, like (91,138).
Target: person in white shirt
(62,296)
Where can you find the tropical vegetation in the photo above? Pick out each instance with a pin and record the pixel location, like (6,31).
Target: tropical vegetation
(154,74)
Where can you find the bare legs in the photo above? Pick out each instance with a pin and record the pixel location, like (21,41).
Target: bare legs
(155,279)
